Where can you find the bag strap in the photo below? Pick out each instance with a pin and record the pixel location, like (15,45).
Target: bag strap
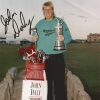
(44,74)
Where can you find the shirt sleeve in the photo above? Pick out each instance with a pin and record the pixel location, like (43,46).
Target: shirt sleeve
(66,33)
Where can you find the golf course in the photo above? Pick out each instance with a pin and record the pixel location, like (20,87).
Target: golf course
(83,59)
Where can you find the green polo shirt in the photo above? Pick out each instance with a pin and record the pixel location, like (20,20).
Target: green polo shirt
(47,36)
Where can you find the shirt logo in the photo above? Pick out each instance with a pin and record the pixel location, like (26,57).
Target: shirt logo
(48,32)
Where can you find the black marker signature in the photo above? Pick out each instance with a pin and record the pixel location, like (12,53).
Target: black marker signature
(16,28)
(6,21)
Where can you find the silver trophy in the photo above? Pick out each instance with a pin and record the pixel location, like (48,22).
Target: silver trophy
(59,45)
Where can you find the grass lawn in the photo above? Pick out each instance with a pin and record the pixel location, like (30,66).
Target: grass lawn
(9,58)
(84,61)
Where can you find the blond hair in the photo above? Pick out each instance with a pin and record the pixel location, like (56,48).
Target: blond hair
(48,4)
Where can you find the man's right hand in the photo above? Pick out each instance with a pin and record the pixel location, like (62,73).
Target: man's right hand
(35,37)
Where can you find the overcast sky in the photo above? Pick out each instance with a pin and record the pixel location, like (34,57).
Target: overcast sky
(81,16)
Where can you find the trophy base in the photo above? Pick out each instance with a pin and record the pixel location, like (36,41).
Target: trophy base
(59,45)
(58,48)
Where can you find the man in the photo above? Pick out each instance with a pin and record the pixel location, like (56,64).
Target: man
(55,66)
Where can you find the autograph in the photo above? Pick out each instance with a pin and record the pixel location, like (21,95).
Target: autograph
(16,28)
